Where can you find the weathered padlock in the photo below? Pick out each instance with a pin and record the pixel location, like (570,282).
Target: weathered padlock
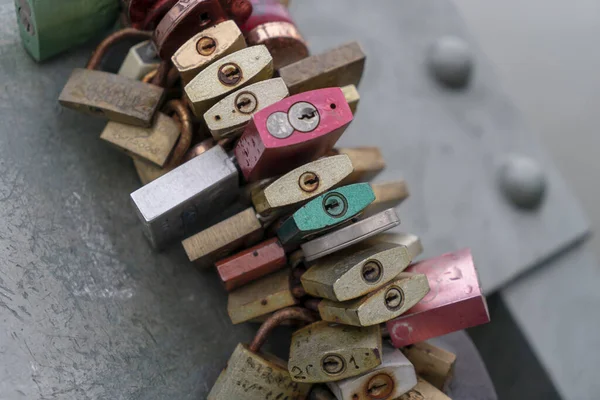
(387,195)
(368,162)
(263,296)
(338,67)
(326,352)
(325,212)
(349,235)
(171,206)
(301,185)
(141,59)
(424,391)
(356,271)
(352,97)
(207,47)
(184,20)
(229,117)
(379,306)
(455,301)
(432,363)
(254,375)
(251,264)
(224,238)
(292,132)
(394,377)
(225,76)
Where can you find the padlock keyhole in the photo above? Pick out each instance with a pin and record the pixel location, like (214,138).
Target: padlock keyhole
(308,113)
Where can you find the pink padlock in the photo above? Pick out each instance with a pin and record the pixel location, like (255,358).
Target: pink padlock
(292,132)
(454,302)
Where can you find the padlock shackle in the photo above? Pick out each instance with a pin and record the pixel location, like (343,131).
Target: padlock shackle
(290,313)
(187,130)
(110,40)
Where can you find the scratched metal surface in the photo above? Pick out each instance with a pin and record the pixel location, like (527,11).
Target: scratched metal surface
(445,143)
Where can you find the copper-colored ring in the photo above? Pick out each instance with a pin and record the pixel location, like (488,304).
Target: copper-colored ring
(187,130)
(294,313)
(158,11)
(149,76)
(100,51)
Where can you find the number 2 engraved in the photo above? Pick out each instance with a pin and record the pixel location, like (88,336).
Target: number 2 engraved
(298,373)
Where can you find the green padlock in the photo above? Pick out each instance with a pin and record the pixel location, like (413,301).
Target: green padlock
(49,27)
(326,211)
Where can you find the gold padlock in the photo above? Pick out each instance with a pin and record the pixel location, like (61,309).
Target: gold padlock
(382,305)
(229,117)
(432,363)
(424,391)
(368,162)
(355,271)
(412,243)
(254,375)
(387,195)
(326,352)
(207,47)
(352,97)
(239,69)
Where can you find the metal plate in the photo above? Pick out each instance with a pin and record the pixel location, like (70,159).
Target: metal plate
(445,143)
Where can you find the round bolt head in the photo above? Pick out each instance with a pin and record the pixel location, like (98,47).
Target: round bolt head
(335,205)
(522,181)
(304,117)
(380,386)
(451,61)
(309,182)
(372,271)
(279,126)
(333,364)
(230,74)
(206,46)
(394,297)
(246,103)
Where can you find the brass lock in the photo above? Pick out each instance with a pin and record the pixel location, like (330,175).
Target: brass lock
(301,185)
(117,98)
(229,117)
(207,47)
(432,363)
(394,377)
(379,306)
(352,97)
(220,240)
(270,293)
(254,375)
(411,242)
(150,144)
(141,59)
(368,162)
(232,72)
(350,235)
(326,212)
(355,271)
(326,352)
(424,391)
(338,67)
(387,195)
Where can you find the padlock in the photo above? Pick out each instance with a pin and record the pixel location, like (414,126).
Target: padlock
(432,363)
(229,117)
(424,391)
(284,41)
(387,195)
(251,264)
(150,144)
(349,235)
(117,98)
(301,185)
(254,375)
(412,243)
(379,306)
(48,28)
(325,212)
(338,67)
(270,293)
(326,352)
(230,73)
(292,132)
(224,238)
(183,21)
(455,301)
(321,392)
(356,271)
(141,59)
(207,47)
(368,162)
(394,377)
(174,204)
(352,97)
(264,11)
(238,10)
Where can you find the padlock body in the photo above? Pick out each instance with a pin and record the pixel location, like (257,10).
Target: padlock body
(432,363)
(284,41)
(117,98)
(140,60)
(454,302)
(424,391)
(352,97)
(368,162)
(264,11)
(252,376)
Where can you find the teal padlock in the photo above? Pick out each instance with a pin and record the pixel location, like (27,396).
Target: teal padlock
(326,212)
(49,27)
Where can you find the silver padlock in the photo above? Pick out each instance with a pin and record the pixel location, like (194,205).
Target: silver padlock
(141,59)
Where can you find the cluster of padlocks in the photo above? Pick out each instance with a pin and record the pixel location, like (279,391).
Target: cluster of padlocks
(232,126)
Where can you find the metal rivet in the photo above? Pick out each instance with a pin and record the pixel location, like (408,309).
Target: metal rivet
(279,126)
(522,181)
(333,364)
(451,61)
(304,117)
(309,182)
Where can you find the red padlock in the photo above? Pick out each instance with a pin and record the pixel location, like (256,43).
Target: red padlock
(454,302)
(264,11)
(292,132)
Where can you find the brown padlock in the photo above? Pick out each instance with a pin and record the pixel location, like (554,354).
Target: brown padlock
(254,375)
